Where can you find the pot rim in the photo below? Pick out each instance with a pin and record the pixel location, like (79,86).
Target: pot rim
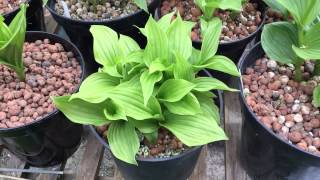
(247,37)
(99,22)
(240,66)
(80,59)
(192,149)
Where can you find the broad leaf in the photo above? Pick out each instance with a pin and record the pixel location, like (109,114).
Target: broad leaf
(173,90)
(234,5)
(96,87)
(310,48)
(165,21)
(182,69)
(179,38)
(204,84)
(280,48)
(220,63)
(152,137)
(106,47)
(208,106)
(188,105)
(142,4)
(80,111)
(158,65)
(194,130)
(113,111)
(124,142)
(128,45)
(210,40)
(157,46)
(145,126)
(316,97)
(304,12)
(148,81)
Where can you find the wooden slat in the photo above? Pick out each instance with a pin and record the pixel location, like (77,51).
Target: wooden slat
(200,171)
(13,162)
(35,176)
(90,163)
(233,123)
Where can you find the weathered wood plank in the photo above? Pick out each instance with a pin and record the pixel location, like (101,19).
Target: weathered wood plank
(36,176)
(200,171)
(91,159)
(12,162)
(233,123)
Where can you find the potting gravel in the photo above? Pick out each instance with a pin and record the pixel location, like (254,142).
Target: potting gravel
(284,105)
(104,10)
(7,6)
(50,71)
(235,25)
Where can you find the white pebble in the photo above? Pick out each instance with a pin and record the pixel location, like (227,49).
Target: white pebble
(297,101)
(289,124)
(296,108)
(312,148)
(284,79)
(305,110)
(285,129)
(281,119)
(271,74)
(297,118)
(272,64)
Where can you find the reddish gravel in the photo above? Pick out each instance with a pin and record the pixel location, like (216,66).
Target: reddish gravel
(50,71)
(235,26)
(7,6)
(283,105)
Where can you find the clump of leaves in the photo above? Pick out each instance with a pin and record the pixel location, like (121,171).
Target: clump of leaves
(12,40)
(293,42)
(140,90)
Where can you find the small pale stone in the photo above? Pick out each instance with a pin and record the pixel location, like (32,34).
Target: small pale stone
(285,129)
(284,79)
(305,110)
(272,64)
(297,118)
(271,75)
(296,108)
(289,124)
(312,148)
(281,119)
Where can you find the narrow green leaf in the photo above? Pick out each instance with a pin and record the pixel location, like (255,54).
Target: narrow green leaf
(220,63)
(207,83)
(145,126)
(82,112)
(152,137)
(148,81)
(142,4)
(106,47)
(280,48)
(102,83)
(128,45)
(316,97)
(188,105)
(165,21)
(173,90)
(194,130)
(182,69)
(210,40)
(158,65)
(208,106)
(124,142)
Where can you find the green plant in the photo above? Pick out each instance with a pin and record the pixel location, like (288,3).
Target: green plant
(11,42)
(292,42)
(141,90)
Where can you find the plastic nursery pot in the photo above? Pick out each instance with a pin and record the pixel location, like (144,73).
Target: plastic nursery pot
(178,167)
(263,153)
(35,18)
(53,138)
(79,34)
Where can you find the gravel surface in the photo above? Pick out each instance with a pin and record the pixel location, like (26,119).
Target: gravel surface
(6,6)
(50,71)
(235,25)
(284,105)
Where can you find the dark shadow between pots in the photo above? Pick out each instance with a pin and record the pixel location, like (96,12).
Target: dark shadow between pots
(263,153)
(35,18)
(178,167)
(53,138)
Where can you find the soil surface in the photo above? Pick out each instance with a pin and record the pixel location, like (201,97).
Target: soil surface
(7,6)
(104,10)
(50,71)
(235,25)
(273,16)
(284,105)
(167,144)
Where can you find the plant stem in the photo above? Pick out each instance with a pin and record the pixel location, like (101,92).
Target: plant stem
(20,74)
(298,73)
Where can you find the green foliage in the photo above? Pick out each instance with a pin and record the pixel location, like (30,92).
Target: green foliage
(138,91)
(12,40)
(294,41)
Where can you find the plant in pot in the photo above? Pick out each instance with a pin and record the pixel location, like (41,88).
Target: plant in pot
(34,66)
(153,112)
(280,98)
(76,17)
(35,18)
(241,21)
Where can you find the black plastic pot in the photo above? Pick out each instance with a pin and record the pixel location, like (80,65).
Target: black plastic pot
(79,34)
(35,18)
(52,139)
(263,153)
(178,167)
